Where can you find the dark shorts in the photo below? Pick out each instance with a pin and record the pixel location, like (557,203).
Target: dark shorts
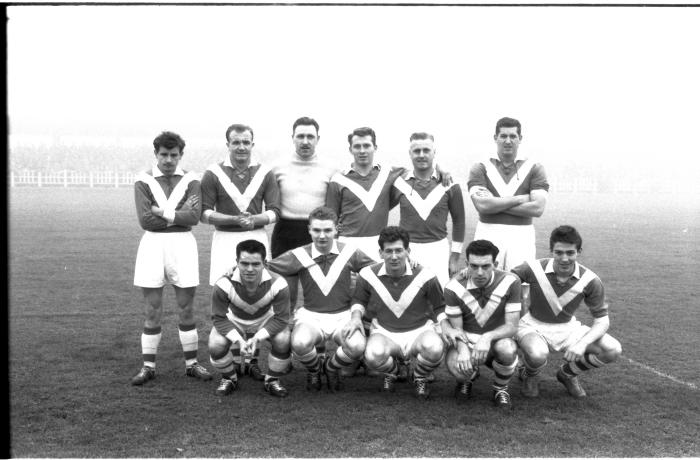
(289,234)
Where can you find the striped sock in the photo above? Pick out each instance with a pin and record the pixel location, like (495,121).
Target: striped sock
(277,363)
(422,367)
(150,338)
(531,371)
(585,363)
(225,366)
(310,361)
(389,367)
(339,360)
(502,373)
(189,341)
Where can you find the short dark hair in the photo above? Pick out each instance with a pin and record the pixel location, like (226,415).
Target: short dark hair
(421,137)
(251,247)
(169,140)
(361,132)
(323,213)
(391,234)
(305,121)
(565,234)
(239,128)
(507,122)
(482,248)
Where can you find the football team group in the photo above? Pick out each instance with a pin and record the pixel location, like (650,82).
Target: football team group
(393,299)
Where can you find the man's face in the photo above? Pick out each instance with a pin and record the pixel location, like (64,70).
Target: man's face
(422,154)
(240,145)
(168,159)
(362,149)
(305,139)
(394,256)
(480,269)
(322,234)
(565,255)
(251,266)
(507,142)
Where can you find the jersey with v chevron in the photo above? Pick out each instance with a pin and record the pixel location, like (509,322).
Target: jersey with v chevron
(325,279)
(153,188)
(425,206)
(553,302)
(507,181)
(483,310)
(402,304)
(230,192)
(230,301)
(362,203)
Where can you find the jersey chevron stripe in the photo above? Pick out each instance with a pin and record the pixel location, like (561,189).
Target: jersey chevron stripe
(163,202)
(423,206)
(324,282)
(501,187)
(368,197)
(236,300)
(557,304)
(242,200)
(398,307)
(482,315)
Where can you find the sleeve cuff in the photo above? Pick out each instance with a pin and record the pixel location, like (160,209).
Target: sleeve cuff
(262,334)
(511,307)
(457,246)
(441,316)
(206,213)
(234,336)
(271,216)
(169,215)
(357,307)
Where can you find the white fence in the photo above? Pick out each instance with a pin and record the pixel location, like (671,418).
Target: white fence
(67,178)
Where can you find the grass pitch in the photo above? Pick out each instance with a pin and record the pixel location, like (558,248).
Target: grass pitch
(75,321)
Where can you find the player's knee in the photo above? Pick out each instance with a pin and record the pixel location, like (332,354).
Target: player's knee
(218,348)
(431,346)
(505,350)
(281,341)
(612,349)
(375,355)
(302,342)
(354,346)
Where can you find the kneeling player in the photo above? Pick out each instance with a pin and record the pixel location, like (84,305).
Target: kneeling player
(250,300)
(557,287)
(484,309)
(324,268)
(403,303)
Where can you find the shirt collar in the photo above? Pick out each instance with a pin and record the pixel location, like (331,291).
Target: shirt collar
(550,269)
(519,158)
(237,276)
(227,162)
(378,167)
(434,175)
(471,285)
(316,253)
(382,270)
(158,173)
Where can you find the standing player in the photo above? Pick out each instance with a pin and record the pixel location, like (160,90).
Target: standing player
(303,183)
(250,301)
(508,192)
(167,205)
(558,285)
(483,309)
(324,269)
(425,204)
(233,193)
(403,304)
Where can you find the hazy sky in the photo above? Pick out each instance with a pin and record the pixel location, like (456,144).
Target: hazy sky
(598,82)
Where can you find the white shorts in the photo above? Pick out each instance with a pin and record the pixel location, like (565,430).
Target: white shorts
(223,250)
(327,323)
(404,340)
(559,336)
(167,258)
(434,256)
(250,325)
(516,243)
(368,244)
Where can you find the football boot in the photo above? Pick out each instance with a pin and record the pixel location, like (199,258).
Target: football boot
(531,386)
(253,370)
(389,383)
(226,386)
(198,371)
(145,374)
(573,386)
(501,398)
(421,388)
(275,388)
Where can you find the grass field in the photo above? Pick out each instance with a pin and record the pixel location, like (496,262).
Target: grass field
(75,321)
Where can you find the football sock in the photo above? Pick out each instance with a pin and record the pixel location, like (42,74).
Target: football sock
(278,363)
(310,361)
(532,371)
(225,366)
(321,350)
(150,338)
(422,367)
(585,363)
(389,367)
(189,340)
(502,373)
(339,360)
